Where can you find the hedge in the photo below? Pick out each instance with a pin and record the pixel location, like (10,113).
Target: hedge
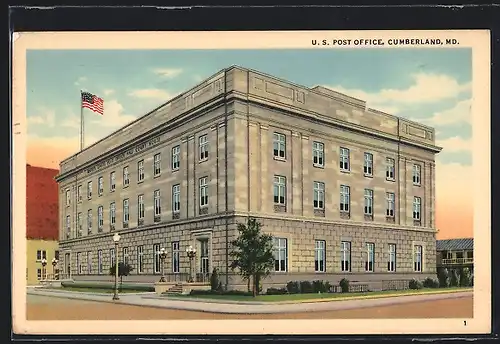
(111,286)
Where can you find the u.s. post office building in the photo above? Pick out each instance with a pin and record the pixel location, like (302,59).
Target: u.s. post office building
(346,190)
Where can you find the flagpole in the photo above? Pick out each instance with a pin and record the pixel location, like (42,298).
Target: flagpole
(82,132)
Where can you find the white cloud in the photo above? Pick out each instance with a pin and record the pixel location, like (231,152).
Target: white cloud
(152,93)
(46,117)
(460,113)
(113,115)
(71,122)
(80,80)
(108,92)
(168,72)
(455,144)
(454,183)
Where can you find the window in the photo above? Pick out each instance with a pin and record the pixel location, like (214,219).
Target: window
(279,145)
(68,197)
(156,258)
(126,179)
(390,197)
(157,164)
(416,174)
(112,181)
(279,190)
(39,274)
(344,159)
(368,165)
(320,256)
(125,255)
(319,195)
(89,262)
(176,256)
(176,198)
(176,158)
(99,262)
(140,259)
(79,193)
(203,144)
(100,217)
(79,263)
(318,154)
(89,190)
(345,256)
(417,258)
(368,202)
(68,223)
(203,192)
(89,221)
(345,198)
(140,207)
(56,254)
(140,171)
(416,208)
(390,169)
(391,264)
(80,223)
(370,257)
(126,214)
(112,213)
(157,203)
(100,186)
(280,254)
(112,257)
(41,254)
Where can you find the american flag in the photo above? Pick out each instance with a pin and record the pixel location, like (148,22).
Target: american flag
(92,102)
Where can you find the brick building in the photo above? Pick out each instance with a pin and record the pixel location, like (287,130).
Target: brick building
(346,190)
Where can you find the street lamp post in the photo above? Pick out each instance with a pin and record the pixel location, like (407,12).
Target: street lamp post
(54,263)
(44,272)
(163,256)
(116,239)
(191,253)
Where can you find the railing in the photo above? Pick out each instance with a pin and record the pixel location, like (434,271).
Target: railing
(454,261)
(185,277)
(395,285)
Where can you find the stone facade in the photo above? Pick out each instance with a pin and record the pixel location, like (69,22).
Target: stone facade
(247,144)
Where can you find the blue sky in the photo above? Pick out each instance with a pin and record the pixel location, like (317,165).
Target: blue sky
(428,85)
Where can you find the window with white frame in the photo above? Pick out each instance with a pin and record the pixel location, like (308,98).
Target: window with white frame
(320,256)
(345,256)
(345,195)
(344,159)
(280,254)
(140,170)
(417,206)
(368,202)
(89,262)
(391,264)
(100,217)
(79,267)
(368,164)
(203,147)
(318,154)
(100,186)
(68,223)
(176,257)
(125,255)
(89,190)
(156,258)
(89,221)
(112,257)
(126,176)
(112,213)
(390,199)
(140,207)
(279,190)
(157,164)
(112,181)
(370,257)
(203,191)
(157,202)
(176,158)
(176,198)
(68,197)
(41,254)
(417,258)
(99,262)
(80,223)
(390,169)
(79,193)
(319,195)
(279,145)
(140,259)
(416,174)
(39,274)
(126,213)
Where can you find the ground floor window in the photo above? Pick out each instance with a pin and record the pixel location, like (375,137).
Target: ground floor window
(156,258)
(176,256)
(280,254)
(320,256)
(345,258)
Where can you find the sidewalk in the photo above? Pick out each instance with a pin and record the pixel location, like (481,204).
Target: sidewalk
(151,300)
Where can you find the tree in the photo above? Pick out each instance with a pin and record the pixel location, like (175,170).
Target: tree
(123,270)
(252,253)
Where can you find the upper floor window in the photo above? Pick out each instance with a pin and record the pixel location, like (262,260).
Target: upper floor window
(112,181)
(203,192)
(318,154)
(157,164)
(126,213)
(344,159)
(417,203)
(416,174)
(112,213)
(345,196)
(68,197)
(319,195)
(100,217)
(89,221)
(100,186)
(80,223)
(89,190)
(176,157)
(368,165)
(390,169)
(176,198)
(390,197)
(203,146)
(79,193)
(140,171)
(279,190)
(368,202)
(68,223)
(157,203)
(140,206)
(126,177)
(279,145)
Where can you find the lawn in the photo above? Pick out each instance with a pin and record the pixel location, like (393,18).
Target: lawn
(324,296)
(97,290)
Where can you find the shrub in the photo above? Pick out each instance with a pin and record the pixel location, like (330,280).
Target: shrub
(465,277)
(293,287)
(415,284)
(214,280)
(306,287)
(455,278)
(430,283)
(444,278)
(220,292)
(111,286)
(321,286)
(344,285)
(276,291)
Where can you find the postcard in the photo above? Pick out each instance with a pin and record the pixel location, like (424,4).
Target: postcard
(299,182)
